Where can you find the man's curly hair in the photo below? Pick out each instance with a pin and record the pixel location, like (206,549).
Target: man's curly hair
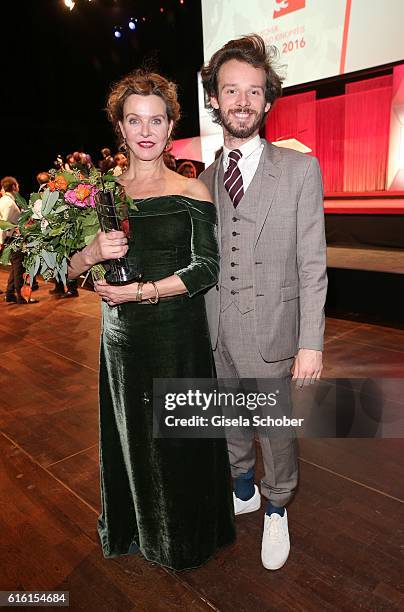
(251,50)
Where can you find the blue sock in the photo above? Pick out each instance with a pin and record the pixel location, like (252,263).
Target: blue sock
(133,549)
(271,509)
(244,485)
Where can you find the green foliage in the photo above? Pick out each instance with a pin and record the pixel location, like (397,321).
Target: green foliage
(21,202)
(98,272)
(49,200)
(50,233)
(70,178)
(6,225)
(5,256)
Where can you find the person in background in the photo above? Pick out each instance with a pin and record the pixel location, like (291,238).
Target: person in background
(68,166)
(121,164)
(169,161)
(59,163)
(187,169)
(107,161)
(80,163)
(87,162)
(42,178)
(9,211)
(71,286)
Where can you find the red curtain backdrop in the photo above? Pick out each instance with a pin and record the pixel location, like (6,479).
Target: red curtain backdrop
(330,122)
(349,134)
(367,130)
(375,83)
(293,117)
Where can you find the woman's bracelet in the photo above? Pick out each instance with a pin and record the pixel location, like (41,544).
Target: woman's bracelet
(139,296)
(157,296)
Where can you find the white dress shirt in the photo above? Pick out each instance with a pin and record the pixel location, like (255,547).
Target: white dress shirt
(9,211)
(251,152)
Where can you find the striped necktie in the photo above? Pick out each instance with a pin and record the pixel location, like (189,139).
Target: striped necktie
(233,181)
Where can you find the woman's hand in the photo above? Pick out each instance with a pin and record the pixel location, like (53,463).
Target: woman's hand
(106,245)
(115,294)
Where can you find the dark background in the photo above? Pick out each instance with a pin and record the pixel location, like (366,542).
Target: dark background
(58,66)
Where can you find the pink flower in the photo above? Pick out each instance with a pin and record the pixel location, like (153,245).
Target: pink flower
(94,190)
(81,196)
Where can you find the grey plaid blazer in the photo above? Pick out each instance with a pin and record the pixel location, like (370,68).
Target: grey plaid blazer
(290,283)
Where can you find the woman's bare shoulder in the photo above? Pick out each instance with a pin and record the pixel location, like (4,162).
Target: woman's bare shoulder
(197,190)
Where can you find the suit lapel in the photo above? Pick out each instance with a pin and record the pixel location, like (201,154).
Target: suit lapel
(270,181)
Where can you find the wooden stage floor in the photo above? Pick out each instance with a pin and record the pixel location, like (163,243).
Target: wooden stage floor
(346,522)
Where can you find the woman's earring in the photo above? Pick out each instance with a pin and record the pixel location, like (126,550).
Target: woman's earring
(169,145)
(124,147)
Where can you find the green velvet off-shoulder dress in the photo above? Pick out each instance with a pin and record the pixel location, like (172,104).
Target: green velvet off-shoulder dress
(170,497)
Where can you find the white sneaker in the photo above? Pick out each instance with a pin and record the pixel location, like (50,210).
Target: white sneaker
(275,541)
(251,505)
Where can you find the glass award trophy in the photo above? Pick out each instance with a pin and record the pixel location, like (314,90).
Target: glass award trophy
(120,271)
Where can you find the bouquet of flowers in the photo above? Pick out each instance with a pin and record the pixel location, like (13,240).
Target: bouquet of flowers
(58,220)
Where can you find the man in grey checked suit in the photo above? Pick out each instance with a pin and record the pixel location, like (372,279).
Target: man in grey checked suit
(266,315)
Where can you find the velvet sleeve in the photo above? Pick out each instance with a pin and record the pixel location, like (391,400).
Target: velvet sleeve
(203,269)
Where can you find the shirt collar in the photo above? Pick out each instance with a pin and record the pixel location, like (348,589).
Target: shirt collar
(247,149)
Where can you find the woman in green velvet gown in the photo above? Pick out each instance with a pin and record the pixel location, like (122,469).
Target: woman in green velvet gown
(171,498)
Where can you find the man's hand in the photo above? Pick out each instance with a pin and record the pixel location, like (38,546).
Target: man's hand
(307,367)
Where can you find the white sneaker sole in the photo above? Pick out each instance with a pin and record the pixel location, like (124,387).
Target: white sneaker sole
(273,568)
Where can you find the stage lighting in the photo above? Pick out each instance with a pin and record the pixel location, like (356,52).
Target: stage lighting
(69,4)
(117,32)
(132,24)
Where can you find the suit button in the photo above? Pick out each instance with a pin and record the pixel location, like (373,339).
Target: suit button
(234,249)
(232,278)
(233,292)
(235,233)
(234,219)
(217,287)
(232,264)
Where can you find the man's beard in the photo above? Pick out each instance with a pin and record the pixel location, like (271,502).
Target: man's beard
(241,130)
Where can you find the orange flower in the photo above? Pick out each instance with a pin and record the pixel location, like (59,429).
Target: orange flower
(52,185)
(82,192)
(60,183)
